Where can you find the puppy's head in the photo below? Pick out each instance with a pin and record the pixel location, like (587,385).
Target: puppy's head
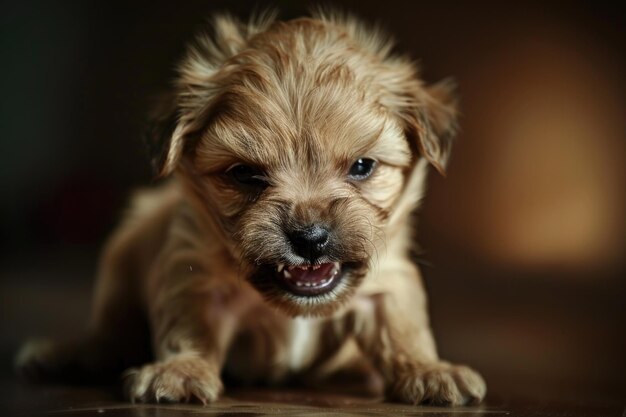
(301,142)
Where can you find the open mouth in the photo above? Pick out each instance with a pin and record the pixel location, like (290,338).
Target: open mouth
(308,280)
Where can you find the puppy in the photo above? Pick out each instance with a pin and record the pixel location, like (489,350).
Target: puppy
(279,247)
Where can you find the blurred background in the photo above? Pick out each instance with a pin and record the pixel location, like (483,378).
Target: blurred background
(522,244)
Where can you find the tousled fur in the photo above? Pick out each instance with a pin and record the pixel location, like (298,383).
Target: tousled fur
(188,269)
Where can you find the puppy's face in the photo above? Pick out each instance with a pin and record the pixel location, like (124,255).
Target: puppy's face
(299,157)
(303,193)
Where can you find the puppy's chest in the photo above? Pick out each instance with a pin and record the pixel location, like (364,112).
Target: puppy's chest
(302,342)
(270,346)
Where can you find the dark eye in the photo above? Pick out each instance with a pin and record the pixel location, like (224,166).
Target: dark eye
(362,169)
(247,175)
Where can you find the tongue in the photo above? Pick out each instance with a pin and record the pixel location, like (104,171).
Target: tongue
(310,275)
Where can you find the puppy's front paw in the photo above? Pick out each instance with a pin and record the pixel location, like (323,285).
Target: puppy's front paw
(439,384)
(179,379)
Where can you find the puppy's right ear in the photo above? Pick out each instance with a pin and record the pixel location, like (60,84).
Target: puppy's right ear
(159,132)
(168,134)
(200,75)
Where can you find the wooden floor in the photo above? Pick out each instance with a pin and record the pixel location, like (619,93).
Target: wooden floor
(544,350)
(22,400)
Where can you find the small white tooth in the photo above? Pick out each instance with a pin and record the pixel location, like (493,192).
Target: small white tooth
(298,283)
(316,267)
(280,267)
(307,284)
(286,274)
(336,264)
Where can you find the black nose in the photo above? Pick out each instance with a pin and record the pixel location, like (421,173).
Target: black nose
(309,242)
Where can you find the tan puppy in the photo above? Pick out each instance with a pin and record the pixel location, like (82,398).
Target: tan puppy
(280,246)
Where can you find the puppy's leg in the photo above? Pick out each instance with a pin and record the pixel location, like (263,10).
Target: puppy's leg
(190,343)
(72,361)
(394,332)
(93,358)
(117,336)
(192,321)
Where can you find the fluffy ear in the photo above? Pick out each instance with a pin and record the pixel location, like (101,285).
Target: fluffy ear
(429,115)
(159,130)
(434,122)
(200,75)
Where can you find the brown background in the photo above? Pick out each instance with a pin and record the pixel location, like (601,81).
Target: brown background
(522,244)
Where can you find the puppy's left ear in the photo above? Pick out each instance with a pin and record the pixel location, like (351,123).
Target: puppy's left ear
(433,122)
